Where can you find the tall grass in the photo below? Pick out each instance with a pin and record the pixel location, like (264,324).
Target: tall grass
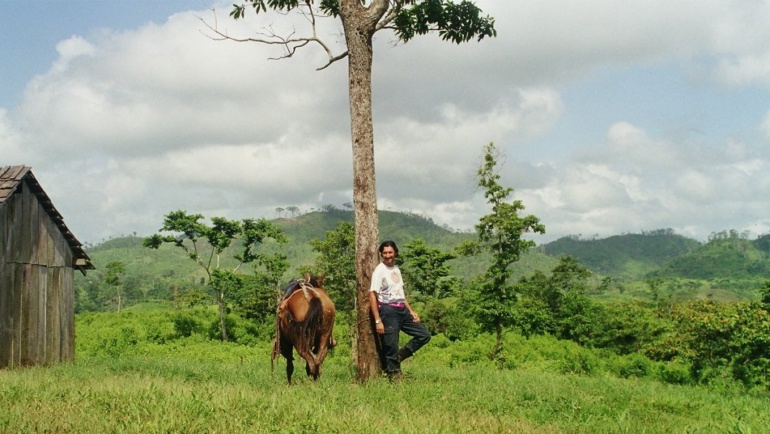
(136,372)
(212,387)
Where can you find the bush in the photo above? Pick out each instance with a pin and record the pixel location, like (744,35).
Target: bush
(635,366)
(185,325)
(674,373)
(446,316)
(578,360)
(241,330)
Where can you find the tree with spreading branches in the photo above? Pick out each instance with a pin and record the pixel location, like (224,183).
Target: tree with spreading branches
(456,22)
(205,244)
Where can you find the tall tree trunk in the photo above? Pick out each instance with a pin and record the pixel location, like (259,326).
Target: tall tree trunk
(359,24)
(498,342)
(222,317)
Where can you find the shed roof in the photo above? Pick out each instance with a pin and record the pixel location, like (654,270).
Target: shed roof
(11,177)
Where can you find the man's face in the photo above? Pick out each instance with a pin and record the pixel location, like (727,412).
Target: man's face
(388,256)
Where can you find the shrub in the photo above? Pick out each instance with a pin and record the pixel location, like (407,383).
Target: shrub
(674,373)
(185,325)
(636,366)
(578,360)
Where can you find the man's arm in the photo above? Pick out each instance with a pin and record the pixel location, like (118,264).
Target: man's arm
(378,325)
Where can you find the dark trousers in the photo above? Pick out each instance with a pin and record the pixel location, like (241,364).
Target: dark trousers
(396,320)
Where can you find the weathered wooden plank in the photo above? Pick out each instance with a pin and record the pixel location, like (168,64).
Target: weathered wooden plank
(42,238)
(28,226)
(7,307)
(17,316)
(30,306)
(37,296)
(6,291)
(13,236)
(4,227)
(53,315)
(67,314)
(41,332)
(63,256)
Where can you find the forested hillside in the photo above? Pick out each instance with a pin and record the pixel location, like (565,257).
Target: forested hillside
(726,255)
(729,266)
(630,256)
(152,274)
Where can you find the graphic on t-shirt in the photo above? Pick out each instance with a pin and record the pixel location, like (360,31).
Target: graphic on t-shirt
(388,284)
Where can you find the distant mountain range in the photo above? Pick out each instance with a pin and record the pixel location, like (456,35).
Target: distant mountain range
(664,254)
(659,254)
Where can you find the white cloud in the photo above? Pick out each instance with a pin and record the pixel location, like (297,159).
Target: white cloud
(128,125)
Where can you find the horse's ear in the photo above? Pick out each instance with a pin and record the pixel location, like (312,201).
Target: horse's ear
(320,280)
(307,277)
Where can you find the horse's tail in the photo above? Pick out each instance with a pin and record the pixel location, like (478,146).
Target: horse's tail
(314,320)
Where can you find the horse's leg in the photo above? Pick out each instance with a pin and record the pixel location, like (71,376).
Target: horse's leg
(310,367)
(287,351)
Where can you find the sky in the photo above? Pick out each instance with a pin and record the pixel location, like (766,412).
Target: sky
(612,117)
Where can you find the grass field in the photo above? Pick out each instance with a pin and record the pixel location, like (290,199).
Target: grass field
(210,387)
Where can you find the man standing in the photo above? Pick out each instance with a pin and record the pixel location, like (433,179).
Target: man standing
(392,312)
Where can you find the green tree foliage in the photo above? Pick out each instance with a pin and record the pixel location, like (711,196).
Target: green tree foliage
(725,339)
(431,283)
(255,298)
(765,295)
(727,255)
(501,233)
(205,245)
(558,304)
(337,262)
(629,255)
(426,270)
(115,270)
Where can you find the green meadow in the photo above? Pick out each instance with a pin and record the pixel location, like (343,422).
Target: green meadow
(135,372)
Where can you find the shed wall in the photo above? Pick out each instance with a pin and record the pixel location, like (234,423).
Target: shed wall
(37,325)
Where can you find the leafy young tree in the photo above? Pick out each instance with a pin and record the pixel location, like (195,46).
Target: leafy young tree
(205,245)
(115,270)
(501,234)
(337,262)
(765,295)
(426,271)
(545,300)
(360,20)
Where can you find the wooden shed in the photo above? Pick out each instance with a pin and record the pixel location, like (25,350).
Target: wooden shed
(38,258)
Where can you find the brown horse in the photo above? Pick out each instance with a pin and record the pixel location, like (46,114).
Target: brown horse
(304,320)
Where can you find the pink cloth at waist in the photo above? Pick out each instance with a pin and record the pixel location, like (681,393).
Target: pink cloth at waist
(399,305)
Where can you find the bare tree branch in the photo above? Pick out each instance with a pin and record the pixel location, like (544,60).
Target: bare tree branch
(268,36)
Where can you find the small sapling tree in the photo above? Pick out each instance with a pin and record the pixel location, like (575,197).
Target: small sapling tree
(115,270)
(500,233)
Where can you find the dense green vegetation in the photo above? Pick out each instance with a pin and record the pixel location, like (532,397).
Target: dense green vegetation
(674,346)
(155,368)
(629,256)
(656,265)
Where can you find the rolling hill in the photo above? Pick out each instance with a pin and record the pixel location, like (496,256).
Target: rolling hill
(727,263)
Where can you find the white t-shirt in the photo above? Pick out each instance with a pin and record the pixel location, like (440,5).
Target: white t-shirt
(387,283)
